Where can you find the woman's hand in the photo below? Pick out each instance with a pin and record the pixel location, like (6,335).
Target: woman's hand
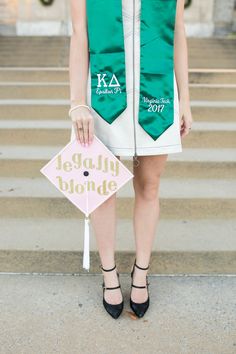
(185,116)
(83,123)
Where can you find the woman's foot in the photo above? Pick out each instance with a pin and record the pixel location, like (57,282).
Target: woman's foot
(139,278)
(113,304)
(140,303)
(113,297)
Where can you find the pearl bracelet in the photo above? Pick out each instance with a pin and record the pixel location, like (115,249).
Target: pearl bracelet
(77,106)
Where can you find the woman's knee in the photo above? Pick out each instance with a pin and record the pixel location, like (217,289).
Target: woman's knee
(147,176)
(147,188)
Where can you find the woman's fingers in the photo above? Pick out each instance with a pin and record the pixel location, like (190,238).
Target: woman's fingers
(84,125)
(87,123)
(80,131)
(90,131)
(186,127)
(85,129)
(181,123)
(75,130)
(185,115)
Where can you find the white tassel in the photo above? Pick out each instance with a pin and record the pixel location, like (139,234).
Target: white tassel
(86,258)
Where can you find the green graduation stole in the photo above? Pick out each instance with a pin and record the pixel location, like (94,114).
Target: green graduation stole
(107,62)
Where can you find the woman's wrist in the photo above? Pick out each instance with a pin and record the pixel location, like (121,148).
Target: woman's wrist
(77,106)
(75,102)
(184,98)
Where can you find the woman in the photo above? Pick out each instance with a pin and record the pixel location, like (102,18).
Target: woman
(130,56)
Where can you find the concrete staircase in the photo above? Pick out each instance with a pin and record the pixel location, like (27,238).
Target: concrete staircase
(40,231)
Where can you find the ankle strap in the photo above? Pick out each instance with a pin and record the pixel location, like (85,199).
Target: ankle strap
(107,270)
(110,288)
(140,267)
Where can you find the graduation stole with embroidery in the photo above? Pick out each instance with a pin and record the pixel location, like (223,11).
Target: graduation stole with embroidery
(107,62)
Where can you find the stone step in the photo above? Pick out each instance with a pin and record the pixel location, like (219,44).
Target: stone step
(212,92)
(19,56)
(62,60)
(197,42)
(50,51)
(200,246)
(61,75)
(40,111)
(26,161)
(163,262)
(179,198)
(203,134)
(212,76)
(39,234)
(34,91)
(35,58)
(56,90)
(210,111)
(37,40)
(224,46)
(213,113)
(37,74)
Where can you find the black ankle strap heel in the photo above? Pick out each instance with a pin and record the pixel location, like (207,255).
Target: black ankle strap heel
(103,284)
(135,265)
(113,310)
(107,270)
(139,308)
(141,267)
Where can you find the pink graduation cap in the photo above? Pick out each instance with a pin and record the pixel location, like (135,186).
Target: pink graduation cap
(87,176)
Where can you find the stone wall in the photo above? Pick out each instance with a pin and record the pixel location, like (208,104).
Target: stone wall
(36,19)
(8,16)
(199,18)
(204,18)
(223,16)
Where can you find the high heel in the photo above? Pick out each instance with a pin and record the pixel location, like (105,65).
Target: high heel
(113,310)
(139,308)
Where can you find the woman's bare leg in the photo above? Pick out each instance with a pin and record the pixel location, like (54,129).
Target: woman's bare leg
(146,214)
(104,224)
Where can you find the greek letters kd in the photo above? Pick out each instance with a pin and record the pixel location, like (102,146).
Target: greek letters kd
(107,86)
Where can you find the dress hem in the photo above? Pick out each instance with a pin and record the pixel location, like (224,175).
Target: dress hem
(146,151)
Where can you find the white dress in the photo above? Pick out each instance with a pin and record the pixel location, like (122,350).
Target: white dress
(125,136)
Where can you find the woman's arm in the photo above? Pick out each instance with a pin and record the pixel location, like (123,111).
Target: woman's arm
(181,70)
(78,72)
